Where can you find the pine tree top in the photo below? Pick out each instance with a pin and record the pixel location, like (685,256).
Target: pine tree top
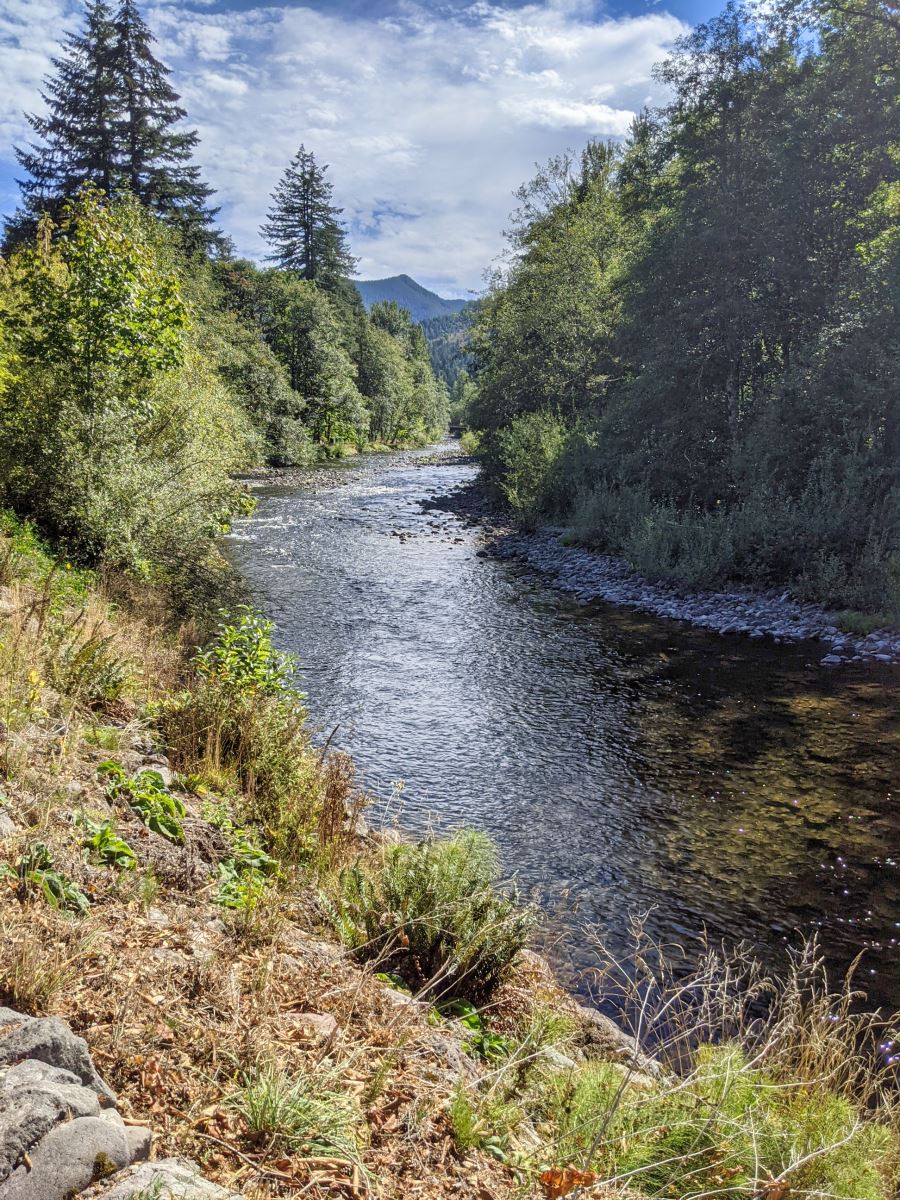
(113,120)
(303,225)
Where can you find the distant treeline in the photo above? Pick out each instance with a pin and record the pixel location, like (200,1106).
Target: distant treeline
(447,338)
(694,354)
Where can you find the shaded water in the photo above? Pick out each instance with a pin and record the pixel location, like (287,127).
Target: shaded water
(622,762)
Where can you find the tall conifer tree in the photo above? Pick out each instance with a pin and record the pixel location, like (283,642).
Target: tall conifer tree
(155,151)
(113,120)
(303,226)
(78,133)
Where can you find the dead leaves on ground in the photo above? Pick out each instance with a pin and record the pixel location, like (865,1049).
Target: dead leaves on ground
(561,1181)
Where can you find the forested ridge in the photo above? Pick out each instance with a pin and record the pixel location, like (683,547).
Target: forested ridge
(142,366)
(691,355)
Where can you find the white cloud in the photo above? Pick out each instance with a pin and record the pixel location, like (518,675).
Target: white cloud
(430,118)
(30,32)
(551,113)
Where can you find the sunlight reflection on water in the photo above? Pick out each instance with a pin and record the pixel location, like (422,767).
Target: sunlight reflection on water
(623,763)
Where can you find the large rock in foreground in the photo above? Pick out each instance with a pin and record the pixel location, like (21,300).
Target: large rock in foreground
(60,1130)
(168,1179)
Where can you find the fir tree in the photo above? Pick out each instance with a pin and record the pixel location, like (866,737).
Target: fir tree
(113,121)
(154,151)
(78,132)
(303,226)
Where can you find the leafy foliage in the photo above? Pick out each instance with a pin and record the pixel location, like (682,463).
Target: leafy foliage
(113,436)
(710,315)
(35,872)
(149,797)
(244,876)
(481,1041)
(242,657)
(111,850)
(433,913)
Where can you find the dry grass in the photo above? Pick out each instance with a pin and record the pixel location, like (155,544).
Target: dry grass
(43,955)
(179,1016)
(798,1024)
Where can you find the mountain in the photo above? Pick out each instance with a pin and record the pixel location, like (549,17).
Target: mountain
(421,304)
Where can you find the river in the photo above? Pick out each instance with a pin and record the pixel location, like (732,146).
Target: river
(623,763)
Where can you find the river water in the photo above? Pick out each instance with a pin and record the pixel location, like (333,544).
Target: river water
(622,763)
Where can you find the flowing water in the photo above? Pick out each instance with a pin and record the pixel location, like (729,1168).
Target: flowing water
(622,763)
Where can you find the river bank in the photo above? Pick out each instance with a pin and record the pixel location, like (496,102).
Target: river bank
(179,904)
(204,912)
(589,576)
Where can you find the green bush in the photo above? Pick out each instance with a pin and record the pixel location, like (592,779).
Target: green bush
(147,796)
(470,442)
(524,456)
(242,722)
(116,434)
(35,873)
(433,912)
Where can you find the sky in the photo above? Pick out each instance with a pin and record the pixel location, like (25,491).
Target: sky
(429,114)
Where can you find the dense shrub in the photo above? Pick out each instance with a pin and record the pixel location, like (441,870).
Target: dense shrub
(824,543)
(434,913)
(525,455)
(115,434)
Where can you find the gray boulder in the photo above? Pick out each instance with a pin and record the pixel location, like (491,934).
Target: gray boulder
(69,1159)
(601,1038)
(34,1098)
(59,1129)
(172,1179)
(48,1040)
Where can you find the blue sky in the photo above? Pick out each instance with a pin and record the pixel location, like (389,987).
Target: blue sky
(429,114)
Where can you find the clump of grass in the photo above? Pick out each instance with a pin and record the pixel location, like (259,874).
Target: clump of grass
(725,1124)
(40,959)
(542,1026)
(770,1086)
(106,737)
(861,623)
(435,914)
(481,1122)
(340,806)
(301,1112)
